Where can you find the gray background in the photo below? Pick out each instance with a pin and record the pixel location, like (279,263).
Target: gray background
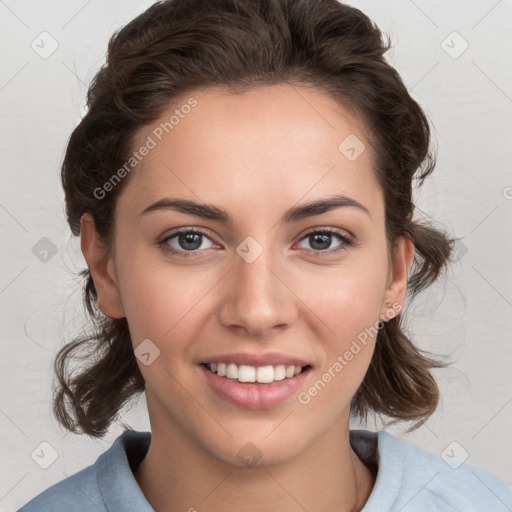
(467,93)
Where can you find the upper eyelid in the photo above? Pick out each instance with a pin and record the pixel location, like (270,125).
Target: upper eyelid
(178,231)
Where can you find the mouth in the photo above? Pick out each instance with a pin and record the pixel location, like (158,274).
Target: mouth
(255,387)
(255,374)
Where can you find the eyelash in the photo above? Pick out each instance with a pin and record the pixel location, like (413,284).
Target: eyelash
(346,241)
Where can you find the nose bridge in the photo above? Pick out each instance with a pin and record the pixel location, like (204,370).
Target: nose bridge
(257,298)
(254,275)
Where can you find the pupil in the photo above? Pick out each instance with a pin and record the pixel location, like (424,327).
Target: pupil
(324,239)
(189,238)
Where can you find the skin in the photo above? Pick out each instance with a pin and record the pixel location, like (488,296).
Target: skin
(255,155)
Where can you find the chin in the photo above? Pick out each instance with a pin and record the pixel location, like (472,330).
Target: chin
(252,450)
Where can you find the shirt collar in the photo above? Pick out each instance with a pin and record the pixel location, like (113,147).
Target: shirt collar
(120,490)
(117,484)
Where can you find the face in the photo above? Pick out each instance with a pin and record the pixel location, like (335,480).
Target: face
(266,287)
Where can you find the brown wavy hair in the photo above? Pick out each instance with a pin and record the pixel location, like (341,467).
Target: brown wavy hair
(175,47)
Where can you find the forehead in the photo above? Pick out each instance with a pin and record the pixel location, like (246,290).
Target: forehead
(270,145)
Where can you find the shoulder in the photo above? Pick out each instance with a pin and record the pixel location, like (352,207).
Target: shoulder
(77,492)
(108,484)
(411,479)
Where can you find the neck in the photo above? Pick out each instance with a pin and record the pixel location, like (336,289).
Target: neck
(178,474)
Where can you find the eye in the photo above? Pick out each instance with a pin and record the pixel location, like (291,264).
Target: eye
(321,240)
(185,241)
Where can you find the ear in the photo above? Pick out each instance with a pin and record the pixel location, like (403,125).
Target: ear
(396,288)
(101,266)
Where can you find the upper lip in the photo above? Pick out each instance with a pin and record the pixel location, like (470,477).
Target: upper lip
(267,359)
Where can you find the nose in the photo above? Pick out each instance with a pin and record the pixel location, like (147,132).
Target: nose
(257,298)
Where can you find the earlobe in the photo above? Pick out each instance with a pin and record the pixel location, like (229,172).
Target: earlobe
(101,266)
(396,289)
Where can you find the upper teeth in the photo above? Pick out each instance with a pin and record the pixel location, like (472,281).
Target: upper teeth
(263,374)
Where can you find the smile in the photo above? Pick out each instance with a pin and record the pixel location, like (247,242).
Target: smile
(261,374)
(255,387)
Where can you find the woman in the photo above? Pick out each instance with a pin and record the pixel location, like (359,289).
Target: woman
(242,187)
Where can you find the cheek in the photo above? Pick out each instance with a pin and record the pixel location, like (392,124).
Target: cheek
(348,304)
(157,298)
(166,303)
(347,298)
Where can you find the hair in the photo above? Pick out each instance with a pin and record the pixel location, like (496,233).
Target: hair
(175,47)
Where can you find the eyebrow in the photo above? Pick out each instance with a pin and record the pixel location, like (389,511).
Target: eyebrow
(207,211)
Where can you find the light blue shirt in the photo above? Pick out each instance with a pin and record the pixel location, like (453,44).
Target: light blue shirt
(408,480)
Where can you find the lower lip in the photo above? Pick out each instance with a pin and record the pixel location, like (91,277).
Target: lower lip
(254,395)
